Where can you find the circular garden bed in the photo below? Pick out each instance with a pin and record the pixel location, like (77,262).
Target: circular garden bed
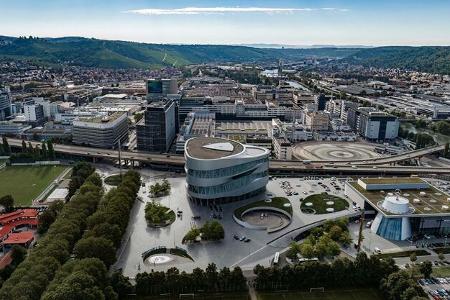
(323,204)
(113,180)
(158,215)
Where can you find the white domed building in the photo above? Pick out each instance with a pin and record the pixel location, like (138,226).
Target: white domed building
(404,206)
(220,170)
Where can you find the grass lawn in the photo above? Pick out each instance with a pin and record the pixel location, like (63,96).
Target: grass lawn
(277,202)
(404,254)
(444,250)
(441,272)
(358,294)
(113,180)
(25,183)
(319,203)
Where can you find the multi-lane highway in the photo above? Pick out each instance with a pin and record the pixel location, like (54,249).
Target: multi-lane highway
(278,166)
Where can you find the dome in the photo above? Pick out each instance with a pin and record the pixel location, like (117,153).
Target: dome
(395,204)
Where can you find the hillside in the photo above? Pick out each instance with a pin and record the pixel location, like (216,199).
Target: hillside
(425,59)
(119,54)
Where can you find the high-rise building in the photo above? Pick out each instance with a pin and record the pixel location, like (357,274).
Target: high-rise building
(158,88)
(157,130)
(34,113)
(5,104)
(321,102)
(378,125)
(372,124)
(317,121)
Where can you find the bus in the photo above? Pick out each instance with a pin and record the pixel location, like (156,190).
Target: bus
(276,258)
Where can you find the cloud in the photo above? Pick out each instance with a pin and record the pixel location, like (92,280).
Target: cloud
(226,10)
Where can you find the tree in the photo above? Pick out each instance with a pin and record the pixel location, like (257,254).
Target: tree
(426,268)
(24,146)
(6,147)
(441,256)
(44,150)
(18,254)
(98,247)
(121,284)
(212,230)
(413,257)
(7,202)
(51,151)
(446,153)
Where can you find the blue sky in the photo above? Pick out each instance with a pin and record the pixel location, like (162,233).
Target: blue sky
(338,22)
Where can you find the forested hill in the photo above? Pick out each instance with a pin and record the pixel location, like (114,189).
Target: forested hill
(120,54)
(429,59)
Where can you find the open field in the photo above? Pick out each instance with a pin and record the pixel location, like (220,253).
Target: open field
(441,272)
(359,294)
(25,183)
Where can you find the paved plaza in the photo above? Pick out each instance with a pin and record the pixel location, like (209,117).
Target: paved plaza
(228,252)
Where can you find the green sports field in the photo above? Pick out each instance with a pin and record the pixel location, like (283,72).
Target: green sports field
(359,294)
(25,183)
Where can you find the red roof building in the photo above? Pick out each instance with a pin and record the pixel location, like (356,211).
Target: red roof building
(23,238)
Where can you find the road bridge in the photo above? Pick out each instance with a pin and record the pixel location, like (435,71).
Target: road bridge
(275,166)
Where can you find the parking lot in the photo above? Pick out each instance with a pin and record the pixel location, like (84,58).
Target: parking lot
(437,287)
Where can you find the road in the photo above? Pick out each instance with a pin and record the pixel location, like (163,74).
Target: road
(277,166)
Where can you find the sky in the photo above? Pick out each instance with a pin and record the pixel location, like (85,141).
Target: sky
(290,22)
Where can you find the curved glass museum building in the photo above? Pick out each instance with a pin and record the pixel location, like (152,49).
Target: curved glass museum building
(220,170)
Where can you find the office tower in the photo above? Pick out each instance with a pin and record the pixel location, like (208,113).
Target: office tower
(156,131)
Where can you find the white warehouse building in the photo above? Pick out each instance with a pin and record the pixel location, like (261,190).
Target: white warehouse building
(220,170)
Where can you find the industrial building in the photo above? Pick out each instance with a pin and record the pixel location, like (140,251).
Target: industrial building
(221,170)
(405,207)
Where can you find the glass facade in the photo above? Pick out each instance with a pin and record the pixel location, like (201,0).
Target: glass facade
(228,186)
(226,172)
(390,228)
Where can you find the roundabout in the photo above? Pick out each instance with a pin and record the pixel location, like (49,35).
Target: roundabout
(334,151)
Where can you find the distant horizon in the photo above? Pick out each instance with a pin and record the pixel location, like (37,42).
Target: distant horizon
(234,22)
(252,45)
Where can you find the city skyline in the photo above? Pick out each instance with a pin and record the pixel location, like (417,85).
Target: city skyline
(324,22)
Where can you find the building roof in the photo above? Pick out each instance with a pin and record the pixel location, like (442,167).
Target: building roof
(19,238)
(398,180)
(430,201)
(212,148)
(27,213)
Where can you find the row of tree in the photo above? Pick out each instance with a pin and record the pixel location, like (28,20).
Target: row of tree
(422,140)
(43,152)
(343,273)
(86,277)
(175,282)
(32,276)
(80,172)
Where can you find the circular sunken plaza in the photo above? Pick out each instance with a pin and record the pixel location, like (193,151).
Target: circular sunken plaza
(335,151)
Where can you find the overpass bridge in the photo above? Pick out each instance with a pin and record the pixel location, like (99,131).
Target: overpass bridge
(286,167)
